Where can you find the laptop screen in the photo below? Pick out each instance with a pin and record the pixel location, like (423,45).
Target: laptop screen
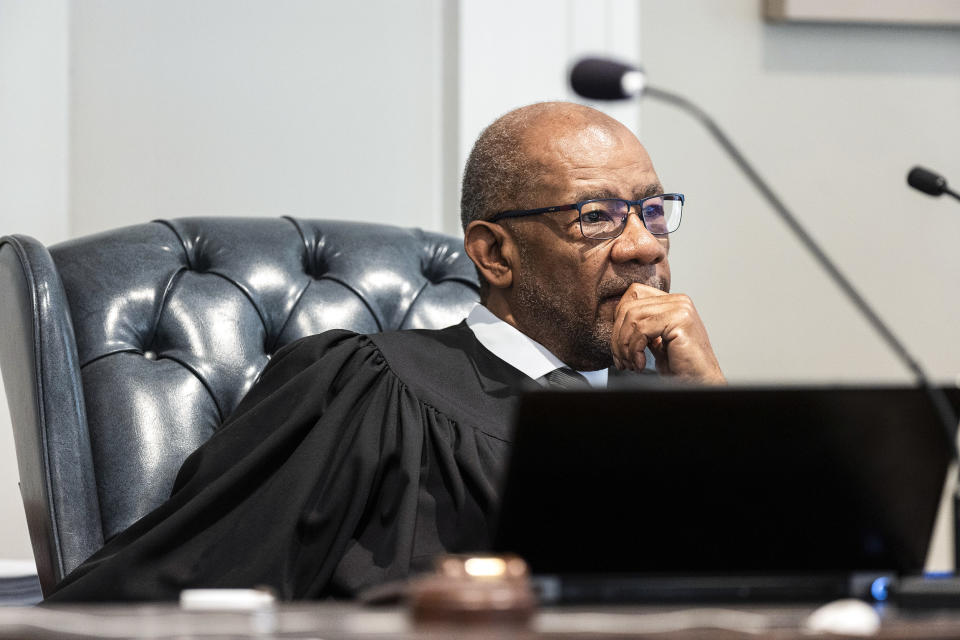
(724,480)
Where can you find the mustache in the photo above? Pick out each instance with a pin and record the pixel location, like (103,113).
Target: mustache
(617,285)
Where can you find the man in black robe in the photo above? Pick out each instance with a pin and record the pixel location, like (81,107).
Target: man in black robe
(356,459)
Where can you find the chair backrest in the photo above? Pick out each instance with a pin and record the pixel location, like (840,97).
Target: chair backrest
(124,351)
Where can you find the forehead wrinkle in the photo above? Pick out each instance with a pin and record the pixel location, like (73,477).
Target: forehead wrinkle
(606,163)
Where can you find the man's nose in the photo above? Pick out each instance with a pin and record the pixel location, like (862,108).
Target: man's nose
(637,244)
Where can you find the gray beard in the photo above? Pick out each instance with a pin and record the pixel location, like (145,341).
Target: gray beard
(579,342)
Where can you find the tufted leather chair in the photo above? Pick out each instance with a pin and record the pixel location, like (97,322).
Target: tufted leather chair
(124,351)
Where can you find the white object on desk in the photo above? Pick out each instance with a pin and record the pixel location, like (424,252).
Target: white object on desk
(226,599)
(844,617)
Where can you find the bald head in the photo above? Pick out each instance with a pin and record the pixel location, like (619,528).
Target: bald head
(515,154)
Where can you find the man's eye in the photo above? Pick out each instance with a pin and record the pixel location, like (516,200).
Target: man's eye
(590,216)
(653,211)
(596,216)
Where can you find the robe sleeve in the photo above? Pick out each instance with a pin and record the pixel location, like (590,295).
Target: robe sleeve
(327,444)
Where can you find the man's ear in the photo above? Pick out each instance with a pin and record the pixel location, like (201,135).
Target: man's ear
(490,247)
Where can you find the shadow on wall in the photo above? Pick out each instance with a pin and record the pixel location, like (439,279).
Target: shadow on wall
(840,48)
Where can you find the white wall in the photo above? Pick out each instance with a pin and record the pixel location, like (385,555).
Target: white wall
(303,108)
(833,116)
(34,103)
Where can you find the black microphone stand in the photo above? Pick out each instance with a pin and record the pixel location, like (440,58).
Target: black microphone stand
(937,397)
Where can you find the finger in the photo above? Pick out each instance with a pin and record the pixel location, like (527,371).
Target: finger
(661,332)
(681,349)
(661,356)
(659,303)
(638,296)
(635,292)
(635,330)
(638,290)
(624,329)
(647,331)
(673,319)
(636,357)
(672,302)
(639,349)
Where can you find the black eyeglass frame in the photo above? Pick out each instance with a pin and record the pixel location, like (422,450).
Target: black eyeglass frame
(520,213)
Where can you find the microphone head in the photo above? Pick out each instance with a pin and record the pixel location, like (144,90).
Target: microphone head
(601,79)
(926,181)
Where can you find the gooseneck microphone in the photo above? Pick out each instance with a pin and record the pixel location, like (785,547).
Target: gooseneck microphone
(929,182)
(601,79)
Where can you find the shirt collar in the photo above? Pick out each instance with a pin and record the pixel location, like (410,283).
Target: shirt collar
(518,349)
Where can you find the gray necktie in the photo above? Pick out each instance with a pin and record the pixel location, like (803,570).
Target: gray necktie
(565,378)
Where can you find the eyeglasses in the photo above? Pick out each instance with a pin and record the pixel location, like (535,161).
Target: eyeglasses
(604,218)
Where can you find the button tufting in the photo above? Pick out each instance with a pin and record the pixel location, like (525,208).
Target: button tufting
(430,275)
(201,263)
(317,265)
(150,355)
(435,266)
(201,253)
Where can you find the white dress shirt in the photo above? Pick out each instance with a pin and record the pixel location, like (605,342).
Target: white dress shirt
(519,350)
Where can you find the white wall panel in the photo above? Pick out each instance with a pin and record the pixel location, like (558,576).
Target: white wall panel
(34,114)
(314,109)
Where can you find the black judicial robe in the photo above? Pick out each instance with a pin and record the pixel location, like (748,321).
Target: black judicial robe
(353,461)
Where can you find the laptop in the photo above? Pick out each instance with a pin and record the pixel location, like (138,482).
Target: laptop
(722,494)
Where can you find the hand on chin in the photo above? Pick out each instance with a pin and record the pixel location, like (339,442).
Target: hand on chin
(669,324)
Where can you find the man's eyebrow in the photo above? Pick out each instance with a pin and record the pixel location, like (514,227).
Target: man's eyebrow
(654,189)
(594,195)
